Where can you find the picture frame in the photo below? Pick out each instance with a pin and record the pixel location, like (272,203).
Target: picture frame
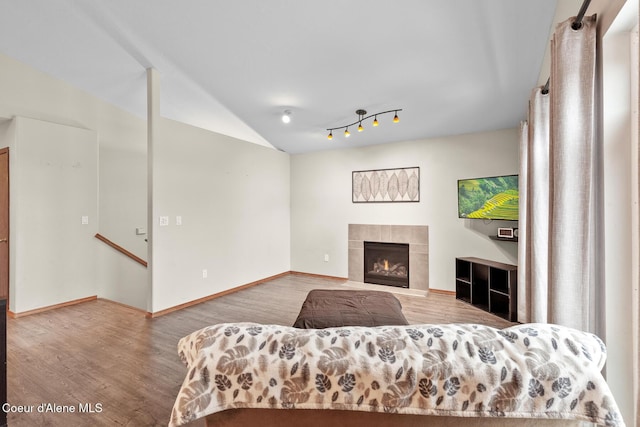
(400,185)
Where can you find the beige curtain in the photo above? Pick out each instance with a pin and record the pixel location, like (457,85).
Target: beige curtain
(559,283)
(636,305)
(535,175)
(523,248)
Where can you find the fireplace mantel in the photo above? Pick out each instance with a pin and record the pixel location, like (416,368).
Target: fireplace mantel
(416,236)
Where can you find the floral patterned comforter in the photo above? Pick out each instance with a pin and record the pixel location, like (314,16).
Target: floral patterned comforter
(466,370)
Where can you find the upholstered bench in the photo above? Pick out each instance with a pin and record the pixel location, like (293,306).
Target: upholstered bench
(325,308)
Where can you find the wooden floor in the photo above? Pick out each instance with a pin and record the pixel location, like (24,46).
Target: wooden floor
(126,367)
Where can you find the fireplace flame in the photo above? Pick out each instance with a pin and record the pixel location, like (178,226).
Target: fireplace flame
(386,264)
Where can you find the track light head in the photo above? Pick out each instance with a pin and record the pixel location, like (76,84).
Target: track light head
(286,116)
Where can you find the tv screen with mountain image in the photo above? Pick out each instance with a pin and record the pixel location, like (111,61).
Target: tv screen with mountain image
(489,198)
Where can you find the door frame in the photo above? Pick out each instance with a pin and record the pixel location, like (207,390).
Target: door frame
(4,221)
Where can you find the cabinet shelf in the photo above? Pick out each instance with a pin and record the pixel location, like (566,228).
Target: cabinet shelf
(499,292)
(488,285)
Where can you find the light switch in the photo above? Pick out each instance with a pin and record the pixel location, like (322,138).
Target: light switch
(164,221)
(85,220)
(178,220)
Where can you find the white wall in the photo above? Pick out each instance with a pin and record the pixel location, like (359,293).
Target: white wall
(233,197)
(321,206)
(121,136)
(620,159)
(6,132)
(53,185)
(123,177)
(121,279)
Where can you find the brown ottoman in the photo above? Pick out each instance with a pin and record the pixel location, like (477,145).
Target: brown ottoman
(324,308)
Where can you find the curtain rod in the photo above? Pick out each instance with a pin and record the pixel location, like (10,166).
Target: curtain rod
(576,25)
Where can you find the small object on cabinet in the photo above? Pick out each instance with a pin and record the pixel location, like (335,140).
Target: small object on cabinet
(505,233)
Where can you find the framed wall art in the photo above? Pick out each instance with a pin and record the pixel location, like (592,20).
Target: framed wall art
(386,185)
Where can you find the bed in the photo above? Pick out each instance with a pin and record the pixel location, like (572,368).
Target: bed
(401,375)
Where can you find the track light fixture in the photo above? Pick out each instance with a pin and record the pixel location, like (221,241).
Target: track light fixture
(361,117)
(286,116)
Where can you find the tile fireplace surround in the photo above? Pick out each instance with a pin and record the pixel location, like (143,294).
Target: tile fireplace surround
(417,236)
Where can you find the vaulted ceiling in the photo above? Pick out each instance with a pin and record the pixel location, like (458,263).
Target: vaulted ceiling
(233,67)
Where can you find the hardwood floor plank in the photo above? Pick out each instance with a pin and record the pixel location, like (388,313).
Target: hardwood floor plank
(100,352)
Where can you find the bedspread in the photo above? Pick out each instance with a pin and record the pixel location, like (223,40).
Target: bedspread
(466,370)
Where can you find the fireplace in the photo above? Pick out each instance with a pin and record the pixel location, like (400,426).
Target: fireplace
(416,236)
(386,264)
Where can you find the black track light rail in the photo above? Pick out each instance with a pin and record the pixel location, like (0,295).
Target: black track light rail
(361,119)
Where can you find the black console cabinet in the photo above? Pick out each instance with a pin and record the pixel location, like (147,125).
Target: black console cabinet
(489,285)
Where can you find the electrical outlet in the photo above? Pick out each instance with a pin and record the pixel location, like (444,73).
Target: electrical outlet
(204,273)
(178,220)
(326,257)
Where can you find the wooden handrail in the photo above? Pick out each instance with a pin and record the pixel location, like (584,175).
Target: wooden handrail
(121,249)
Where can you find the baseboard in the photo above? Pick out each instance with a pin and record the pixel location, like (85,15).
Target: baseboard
(320,276)
(121,304)
(442,291)
(50,307)
(227,292)
(150,315)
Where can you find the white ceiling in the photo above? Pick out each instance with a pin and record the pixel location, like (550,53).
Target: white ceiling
(454,66)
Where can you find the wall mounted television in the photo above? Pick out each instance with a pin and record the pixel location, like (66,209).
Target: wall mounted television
(493,197)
